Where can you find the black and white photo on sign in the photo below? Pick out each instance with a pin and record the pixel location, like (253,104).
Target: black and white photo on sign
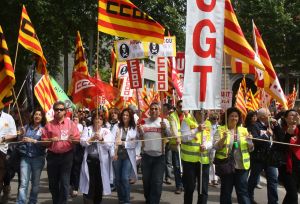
(124,51)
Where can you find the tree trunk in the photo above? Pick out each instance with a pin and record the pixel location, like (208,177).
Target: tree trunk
(66,63)
(91,50)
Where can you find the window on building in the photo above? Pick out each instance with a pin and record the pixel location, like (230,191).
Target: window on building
(149,83)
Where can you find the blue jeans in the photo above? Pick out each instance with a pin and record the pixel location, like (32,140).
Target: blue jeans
(153,169)
(123,170)
(272,180)
(30,167)
(239,181)
(176,166)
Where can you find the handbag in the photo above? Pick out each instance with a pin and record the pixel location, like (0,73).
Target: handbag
(225,166)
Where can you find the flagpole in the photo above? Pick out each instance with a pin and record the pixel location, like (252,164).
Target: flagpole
(20,91)
(13,90)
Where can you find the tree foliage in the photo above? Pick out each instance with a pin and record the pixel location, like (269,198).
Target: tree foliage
(57,21)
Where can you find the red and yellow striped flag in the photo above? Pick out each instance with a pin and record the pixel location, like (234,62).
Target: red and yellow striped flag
(270,80)
(291,98)
(7,75)
(235,43)
(45,93)
(122,18)
(29,40)
(240,101)
(80,65)
(240,67)
(251,102)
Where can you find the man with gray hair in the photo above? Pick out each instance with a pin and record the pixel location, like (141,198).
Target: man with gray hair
(265,128)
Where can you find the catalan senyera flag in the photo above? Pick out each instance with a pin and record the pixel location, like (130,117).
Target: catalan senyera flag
(240,101)
(235,43)
(251,102)
(291,98)
(45,93)
(122,18)
(80,65)
(240,67)
(270,79)
(7,75)
(29,40)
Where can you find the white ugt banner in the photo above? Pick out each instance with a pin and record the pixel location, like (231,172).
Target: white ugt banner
(204,53)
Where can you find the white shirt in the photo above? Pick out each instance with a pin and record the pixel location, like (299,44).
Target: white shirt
(7,127)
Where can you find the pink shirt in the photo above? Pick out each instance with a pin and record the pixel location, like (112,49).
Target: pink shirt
(61,130)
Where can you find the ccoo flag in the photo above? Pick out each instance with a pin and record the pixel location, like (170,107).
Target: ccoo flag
(29,40)
(122,18)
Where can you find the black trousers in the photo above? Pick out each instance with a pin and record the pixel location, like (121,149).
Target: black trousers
(76,167)
(191,175)
(95,185)
(291,185)
(59,170)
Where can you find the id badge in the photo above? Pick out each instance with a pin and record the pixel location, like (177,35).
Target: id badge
(64,135)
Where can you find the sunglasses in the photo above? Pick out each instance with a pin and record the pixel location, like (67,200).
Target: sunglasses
(58,109)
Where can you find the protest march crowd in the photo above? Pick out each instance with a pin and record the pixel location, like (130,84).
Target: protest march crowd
(97,152)
(96,147)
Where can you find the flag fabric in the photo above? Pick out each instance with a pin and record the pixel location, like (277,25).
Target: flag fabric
(240,101)
(61,95)
(240,67)
(30,89)
(90,87)
(251,102)
(291,98)
(235,43)
(7,75)
(122,18)
(270,79)
(80,65)
(45,93)
(29,40)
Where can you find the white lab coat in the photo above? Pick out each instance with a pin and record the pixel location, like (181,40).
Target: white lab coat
(130,145)
(105,151)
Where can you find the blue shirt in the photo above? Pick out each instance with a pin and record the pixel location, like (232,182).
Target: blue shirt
(29,149)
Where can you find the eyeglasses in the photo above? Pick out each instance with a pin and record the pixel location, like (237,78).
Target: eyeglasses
(215,118)
(80,111)
(58,109)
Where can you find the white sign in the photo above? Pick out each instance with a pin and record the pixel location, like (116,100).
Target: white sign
(226,99)
(126,91)
(129,49)
(167,49)
(162,73)
(204,51)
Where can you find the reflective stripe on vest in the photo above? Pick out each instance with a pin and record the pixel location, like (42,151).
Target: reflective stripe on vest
(174,117)
(190,151)
(223,153)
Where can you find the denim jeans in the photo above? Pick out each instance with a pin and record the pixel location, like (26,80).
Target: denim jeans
(59,170)
(31,168)
(153,169)
(168,171)
(239,181)
(272,180)
(191,175)
(123,170)
(176,166)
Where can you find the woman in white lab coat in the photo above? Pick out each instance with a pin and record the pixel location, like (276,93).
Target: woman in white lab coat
(94,176)
(125,155)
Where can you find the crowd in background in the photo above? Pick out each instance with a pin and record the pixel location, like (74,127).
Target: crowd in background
(100,151)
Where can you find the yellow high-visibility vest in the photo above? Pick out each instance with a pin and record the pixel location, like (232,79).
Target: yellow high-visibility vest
(223,153)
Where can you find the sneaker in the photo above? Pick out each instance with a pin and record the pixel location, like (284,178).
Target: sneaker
(167,181)
(74,194)
(215,182)
(178,190)
(258,186)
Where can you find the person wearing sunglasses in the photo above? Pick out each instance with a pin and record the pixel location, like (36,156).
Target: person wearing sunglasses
(61,134)
(95,169)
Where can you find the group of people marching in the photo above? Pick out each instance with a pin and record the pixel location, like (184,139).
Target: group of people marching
(95,152)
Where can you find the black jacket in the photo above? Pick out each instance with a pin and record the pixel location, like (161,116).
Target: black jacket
(267,152)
